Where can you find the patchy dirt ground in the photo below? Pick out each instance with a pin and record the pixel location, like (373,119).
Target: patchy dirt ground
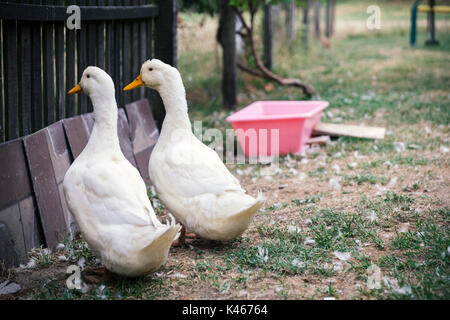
(386,195)
(333,215)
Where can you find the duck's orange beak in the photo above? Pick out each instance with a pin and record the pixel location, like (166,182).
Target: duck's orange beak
(135,84)
(76,89)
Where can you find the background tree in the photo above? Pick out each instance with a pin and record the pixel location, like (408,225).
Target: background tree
(251,7)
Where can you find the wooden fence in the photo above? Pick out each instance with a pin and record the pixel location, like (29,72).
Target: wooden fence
(33,209)
(43,59)
(44,129)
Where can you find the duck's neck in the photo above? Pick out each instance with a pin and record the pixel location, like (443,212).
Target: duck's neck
(104,134)
(174,99)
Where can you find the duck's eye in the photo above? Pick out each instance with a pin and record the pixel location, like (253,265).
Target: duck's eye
(150,69)
(88,76)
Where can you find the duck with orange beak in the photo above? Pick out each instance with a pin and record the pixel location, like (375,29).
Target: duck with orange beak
(190,179)
(107,196)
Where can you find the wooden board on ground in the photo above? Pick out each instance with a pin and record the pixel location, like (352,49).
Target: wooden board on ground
(33,210)
(48,161)
(78,130)
(123,130)
(77,133)
(321,140)
(332,129)
(19,223)
(144,133)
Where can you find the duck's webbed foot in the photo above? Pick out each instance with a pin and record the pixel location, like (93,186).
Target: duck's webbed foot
(99,275)
(184,238)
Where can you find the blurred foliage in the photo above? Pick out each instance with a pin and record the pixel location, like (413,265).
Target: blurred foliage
(212,7)
(245,5)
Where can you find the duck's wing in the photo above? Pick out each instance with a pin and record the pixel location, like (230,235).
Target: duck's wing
(191,169)
(117,194)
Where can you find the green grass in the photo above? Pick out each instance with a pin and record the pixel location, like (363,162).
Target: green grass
(423,260)
(147,288)
(374,78)
(366,178)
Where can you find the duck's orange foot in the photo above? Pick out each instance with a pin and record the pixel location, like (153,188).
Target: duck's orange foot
(99,275)
(184,242)
(184,238)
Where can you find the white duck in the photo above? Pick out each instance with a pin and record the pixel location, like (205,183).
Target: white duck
(189,177)
(108,197)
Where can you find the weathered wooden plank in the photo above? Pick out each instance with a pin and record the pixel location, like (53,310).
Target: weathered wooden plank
(166,31)
(89,120)
(31,224)
(12,84)
(17,211)
(92,43)
(45,187)
(101,40)
(77,134)
(48,73)
(10,217)
(58,149)
(149,54)
(143,38)
(70,220)
(82,60)
(109,49)
(49,13)
(71,81)
(79,128)
(134,56)
(37,114)
(127,59)
(143,132)
(2,105)
(332,129)
(9,254)
(25,76)
(321,140)
(117,60)
(59,68)
(123,132)
(61,161)
(165,36)
(14,180)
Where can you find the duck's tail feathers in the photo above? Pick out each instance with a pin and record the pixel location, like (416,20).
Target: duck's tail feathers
(250,211)
(260,200)
(172,223)
(165,236)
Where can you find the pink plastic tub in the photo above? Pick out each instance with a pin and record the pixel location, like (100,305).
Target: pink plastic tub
(254,126)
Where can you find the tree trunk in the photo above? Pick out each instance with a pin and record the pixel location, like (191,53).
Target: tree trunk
(267,25)
(317,5)
(328,18)
(333,13)
(263,71)
(306,22)
(290,20)
(227,37)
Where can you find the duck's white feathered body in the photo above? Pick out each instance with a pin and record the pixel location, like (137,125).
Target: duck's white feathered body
(108,199)
(191,179)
